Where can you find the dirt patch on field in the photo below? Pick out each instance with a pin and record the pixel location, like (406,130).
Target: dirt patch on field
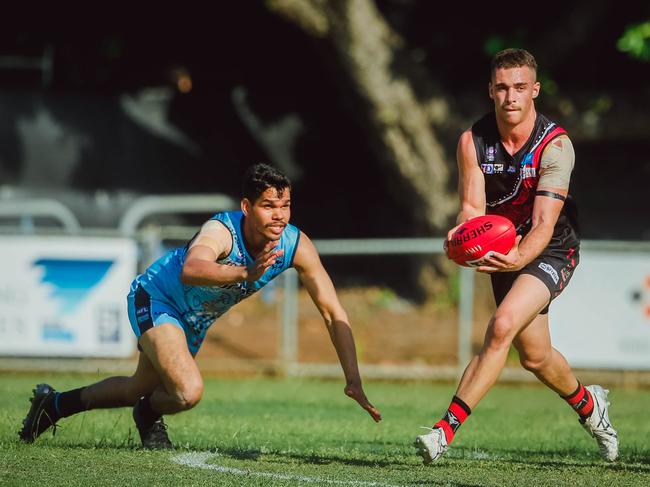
(388,329)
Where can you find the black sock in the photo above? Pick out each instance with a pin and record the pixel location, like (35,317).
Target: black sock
(69,403)
(147,413)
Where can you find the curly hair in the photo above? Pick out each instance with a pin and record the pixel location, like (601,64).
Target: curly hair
(259,178)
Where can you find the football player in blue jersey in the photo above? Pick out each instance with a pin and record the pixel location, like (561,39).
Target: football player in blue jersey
(173,303)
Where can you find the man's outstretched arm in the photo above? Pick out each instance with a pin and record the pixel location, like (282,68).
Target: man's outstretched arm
(319,286)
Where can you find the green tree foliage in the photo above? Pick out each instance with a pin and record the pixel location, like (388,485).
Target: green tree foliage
(635,41)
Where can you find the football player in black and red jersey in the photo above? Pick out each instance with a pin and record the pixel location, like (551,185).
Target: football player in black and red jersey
(517,163)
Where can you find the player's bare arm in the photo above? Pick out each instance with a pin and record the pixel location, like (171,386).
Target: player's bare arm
(471,182)
(555,173)
(213,242)
(319,286)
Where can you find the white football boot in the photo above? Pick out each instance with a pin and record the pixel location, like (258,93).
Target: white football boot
(432,445)
(598,425)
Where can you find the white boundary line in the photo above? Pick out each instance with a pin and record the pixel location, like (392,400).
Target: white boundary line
(198,460)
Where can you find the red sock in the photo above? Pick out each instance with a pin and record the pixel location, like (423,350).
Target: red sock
(455,416)
(581,401)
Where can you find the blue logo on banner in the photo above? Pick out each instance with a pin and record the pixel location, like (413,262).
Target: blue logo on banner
(55,332)
(71,279)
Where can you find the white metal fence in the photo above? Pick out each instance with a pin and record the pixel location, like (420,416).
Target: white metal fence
(151,238)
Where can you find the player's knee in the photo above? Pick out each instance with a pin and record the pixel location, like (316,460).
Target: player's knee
(188,396)
(501,331)
(533,363)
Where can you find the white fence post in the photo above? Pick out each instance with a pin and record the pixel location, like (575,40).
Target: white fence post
(465,316)
(289,335)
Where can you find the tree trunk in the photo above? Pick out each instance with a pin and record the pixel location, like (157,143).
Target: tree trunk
(399,126)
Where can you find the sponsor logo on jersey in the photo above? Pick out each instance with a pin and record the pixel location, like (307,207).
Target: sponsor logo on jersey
(511,169)
(498,168)
(489,153)
(487,168)
(142,314)
(550,271)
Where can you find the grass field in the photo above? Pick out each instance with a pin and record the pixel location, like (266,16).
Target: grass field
(300,432)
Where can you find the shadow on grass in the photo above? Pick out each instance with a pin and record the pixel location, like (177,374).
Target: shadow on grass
(311,458)
(632,462)
(636,462)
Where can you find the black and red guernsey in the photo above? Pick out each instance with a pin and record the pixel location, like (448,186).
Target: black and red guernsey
(511,180)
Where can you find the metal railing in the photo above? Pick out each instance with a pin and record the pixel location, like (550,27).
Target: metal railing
(26,210)
(152,238)
(178,204)
(147,206)
(366,247)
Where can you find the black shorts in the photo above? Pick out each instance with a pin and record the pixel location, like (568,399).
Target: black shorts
(554,267)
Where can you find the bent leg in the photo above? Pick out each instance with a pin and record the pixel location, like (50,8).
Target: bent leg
(527,297)
(165,369)
(116,392)
(537,355)
(590,403)
(181,385)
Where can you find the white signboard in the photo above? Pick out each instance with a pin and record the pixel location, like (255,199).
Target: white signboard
(602,319)
(65,296)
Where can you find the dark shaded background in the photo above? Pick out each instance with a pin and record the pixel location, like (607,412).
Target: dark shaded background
(341,191)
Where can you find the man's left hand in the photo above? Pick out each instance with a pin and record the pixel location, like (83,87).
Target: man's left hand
(355,391)
(496,262)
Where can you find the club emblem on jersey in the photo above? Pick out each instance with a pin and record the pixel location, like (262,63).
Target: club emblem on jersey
(527,169)
(489,153)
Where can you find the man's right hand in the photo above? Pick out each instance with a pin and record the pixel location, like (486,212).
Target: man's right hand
(264,260)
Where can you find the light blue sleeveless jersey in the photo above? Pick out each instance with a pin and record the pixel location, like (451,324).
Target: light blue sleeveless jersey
(199,306)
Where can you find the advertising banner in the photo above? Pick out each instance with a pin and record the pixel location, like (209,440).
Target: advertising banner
(602,320)
(65,296)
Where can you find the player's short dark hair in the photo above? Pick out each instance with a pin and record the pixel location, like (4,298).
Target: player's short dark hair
(512,58)
(259,178)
